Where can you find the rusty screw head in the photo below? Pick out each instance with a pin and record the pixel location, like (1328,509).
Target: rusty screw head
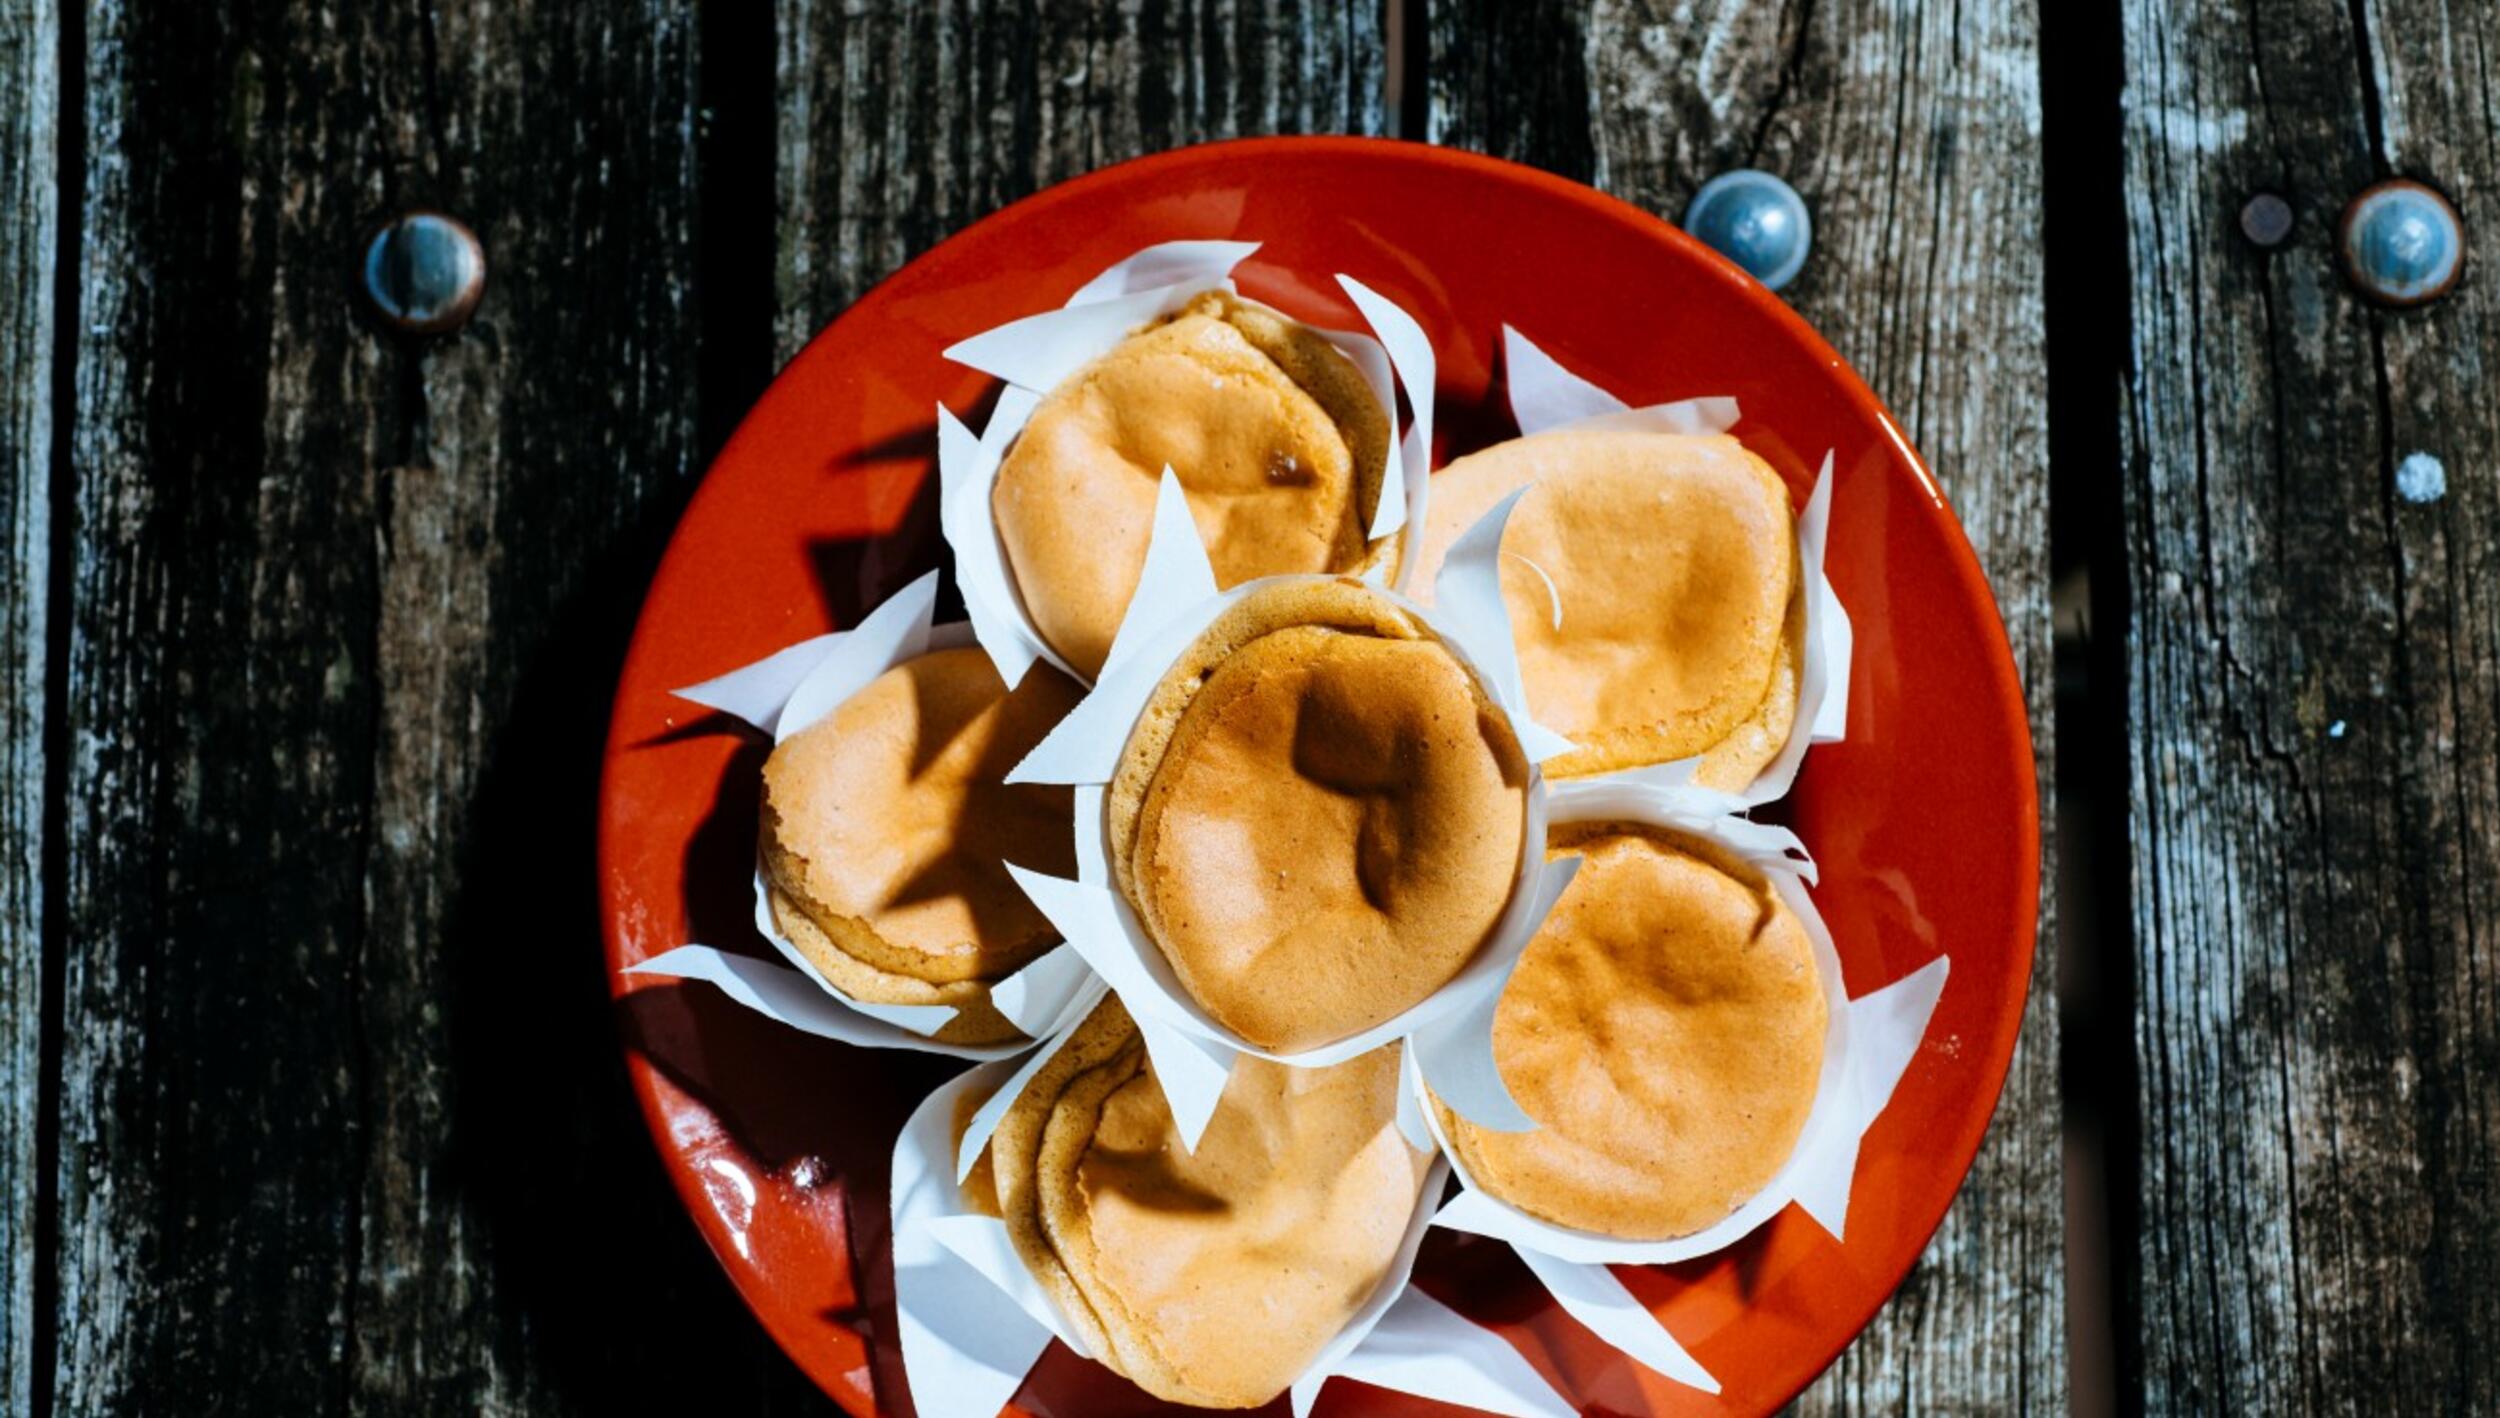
(424,273)
(2402,243)
(2266,221)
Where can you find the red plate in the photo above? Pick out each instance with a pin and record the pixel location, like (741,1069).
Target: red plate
(1925,821)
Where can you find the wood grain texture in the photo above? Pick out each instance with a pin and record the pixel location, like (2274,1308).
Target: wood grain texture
(219,759)
(1009,98)
(1913,131)
(2313,666)
(341,612)
(344,613)
(342,1121)
(29,220)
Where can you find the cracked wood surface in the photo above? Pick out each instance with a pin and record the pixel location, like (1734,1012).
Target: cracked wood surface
(1913,133)
(342,1125)
(340,1115)
(29,218)
(1014,98)
(340,612)
(335,617)
(2312,680)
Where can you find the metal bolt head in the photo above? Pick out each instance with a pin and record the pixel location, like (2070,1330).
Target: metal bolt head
(424,273)
(1754,220)
(2266,221)
(2402,243)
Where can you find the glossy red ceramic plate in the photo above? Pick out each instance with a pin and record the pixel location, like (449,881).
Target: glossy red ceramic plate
(1925,821)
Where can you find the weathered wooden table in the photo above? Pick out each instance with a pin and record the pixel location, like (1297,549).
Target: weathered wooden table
(306,631)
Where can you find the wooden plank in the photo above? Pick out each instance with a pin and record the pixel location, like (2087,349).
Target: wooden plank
(29,220)
(342,1118)
(344,615)
(1913,132)
(221,751)
(517,1235)
(2312,678)
(1006,99)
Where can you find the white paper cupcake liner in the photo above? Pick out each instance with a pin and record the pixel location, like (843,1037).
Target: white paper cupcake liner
(781,695)
(1546,397)
(1451,1030)
(1868,1044)
(1037,353)
(974,1320)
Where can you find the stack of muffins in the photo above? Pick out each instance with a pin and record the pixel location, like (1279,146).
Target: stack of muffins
(1318,820)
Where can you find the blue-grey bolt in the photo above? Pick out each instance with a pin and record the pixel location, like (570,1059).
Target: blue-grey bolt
(2421,478)
(2402,243)
(1754,220)
(2266,220)
(424,273)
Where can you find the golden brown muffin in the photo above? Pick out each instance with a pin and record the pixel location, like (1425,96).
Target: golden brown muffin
(1665,1028)
(1683,611)
(886,830)
(1275,438)
(1210,1277)
(1318,817)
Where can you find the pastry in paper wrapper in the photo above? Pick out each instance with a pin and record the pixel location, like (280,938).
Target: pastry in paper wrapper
(976,1316)
(1672,617)
(1438,771)
(886,827)
(1866,1044)
(1211,1277)
(1654,593)
(1665,1028)
(1283,436)
(1276,439)
(1319,814)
